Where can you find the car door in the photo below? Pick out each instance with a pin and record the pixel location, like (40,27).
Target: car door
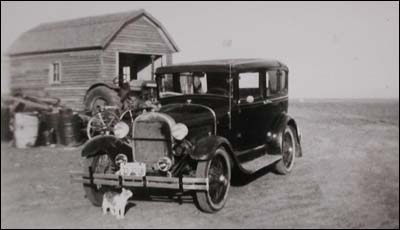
(249,105)
(276,96)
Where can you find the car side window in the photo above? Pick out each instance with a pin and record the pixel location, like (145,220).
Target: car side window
(276,82)
(249,86)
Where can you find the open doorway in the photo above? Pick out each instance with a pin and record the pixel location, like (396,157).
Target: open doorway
(131,64)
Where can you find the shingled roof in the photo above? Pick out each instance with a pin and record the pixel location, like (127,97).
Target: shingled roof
(78,34)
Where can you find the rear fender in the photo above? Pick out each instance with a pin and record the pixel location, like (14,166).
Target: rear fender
(275,144)
(106,144)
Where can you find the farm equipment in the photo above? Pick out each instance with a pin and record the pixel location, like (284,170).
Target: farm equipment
(122,94)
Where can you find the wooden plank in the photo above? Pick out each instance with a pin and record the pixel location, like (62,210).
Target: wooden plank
(106,182)
(133,178)
(28,103)
(162,179)
(194,180)
(80,180)
(133,183)
(67,88)
(105,176)
(162,185)
(195,187)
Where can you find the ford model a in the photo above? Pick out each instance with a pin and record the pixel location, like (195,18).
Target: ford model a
(215,117)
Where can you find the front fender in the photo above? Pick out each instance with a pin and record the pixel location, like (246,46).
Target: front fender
(105,144)
(275,144)
(205,147)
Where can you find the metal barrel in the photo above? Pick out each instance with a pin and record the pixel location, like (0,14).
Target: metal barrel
(43,136)
(48,129)
(66,127)
(68,133)
(5,123)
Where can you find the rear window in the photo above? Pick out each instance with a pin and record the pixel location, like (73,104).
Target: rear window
(276,82)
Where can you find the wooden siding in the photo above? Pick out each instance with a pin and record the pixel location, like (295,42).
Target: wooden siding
(138,37)
(79,70)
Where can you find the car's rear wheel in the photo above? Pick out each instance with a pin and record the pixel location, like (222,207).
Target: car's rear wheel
(285,165)
(218,172)
(99,164)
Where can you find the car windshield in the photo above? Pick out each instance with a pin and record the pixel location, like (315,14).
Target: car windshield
(177,84)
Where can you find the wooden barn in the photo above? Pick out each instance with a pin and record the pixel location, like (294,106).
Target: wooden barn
(67,59)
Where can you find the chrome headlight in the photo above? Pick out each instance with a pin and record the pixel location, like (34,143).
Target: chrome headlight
(164,164)
(121,129)
(179,131)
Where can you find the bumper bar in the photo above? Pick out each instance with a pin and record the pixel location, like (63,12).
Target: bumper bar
(181,183)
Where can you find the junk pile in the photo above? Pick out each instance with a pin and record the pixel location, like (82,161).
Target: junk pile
(37,121)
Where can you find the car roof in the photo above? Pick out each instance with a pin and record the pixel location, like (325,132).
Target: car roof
(223,65)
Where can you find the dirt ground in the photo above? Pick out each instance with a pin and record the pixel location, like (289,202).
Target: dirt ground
(348,178)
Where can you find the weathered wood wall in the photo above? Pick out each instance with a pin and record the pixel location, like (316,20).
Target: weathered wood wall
(79,70)
(138,37)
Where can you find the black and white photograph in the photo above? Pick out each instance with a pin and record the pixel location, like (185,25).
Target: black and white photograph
(200,115)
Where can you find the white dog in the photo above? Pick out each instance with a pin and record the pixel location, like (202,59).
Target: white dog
(116,202)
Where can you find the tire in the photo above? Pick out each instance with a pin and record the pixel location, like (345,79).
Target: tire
(210,201)
(285,165)
(101,95)
(93,192)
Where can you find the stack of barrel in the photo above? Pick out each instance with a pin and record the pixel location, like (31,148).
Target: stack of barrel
(63,127)
(47,128)
(39,120)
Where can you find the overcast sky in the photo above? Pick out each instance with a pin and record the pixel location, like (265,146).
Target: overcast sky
(333,49)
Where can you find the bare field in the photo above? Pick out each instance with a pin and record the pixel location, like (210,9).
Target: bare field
(347,178)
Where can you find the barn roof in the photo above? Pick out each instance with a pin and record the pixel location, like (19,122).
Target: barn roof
(79,34)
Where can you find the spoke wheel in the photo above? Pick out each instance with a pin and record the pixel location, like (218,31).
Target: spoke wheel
(218,172)
(102,123)
(99,164)
(285,165)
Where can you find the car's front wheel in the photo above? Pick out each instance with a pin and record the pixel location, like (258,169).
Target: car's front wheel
(285,165)
(218,172)
(99,164)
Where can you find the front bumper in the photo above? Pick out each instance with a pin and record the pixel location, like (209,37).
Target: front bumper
(178,183)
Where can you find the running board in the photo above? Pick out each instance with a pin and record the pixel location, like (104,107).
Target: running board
(260,162)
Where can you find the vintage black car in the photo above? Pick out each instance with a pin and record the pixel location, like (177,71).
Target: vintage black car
(215,117)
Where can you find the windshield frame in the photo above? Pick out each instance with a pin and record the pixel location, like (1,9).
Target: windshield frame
(176,80)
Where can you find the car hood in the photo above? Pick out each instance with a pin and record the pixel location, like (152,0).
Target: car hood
(195,116)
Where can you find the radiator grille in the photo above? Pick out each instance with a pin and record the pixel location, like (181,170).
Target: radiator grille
(151,140)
